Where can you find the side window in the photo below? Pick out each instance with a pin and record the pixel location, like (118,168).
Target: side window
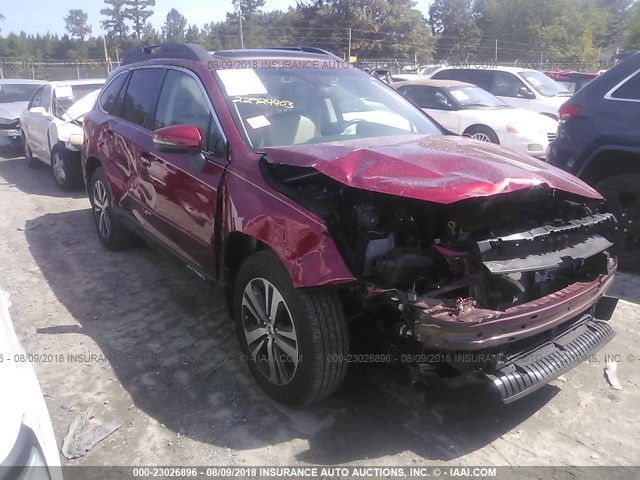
(184,102)
(426,97)
(629,90)
(46,98)
(36,101)
(110,94)
(480,78)
(142,92)
(507,84)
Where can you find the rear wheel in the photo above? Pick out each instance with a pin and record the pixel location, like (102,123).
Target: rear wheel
(110,232)
(482,133)
(295,340)
(32,162)
(623,198)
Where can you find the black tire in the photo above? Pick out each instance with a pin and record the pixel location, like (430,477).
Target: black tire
(482,133)
(622,193)
(314,317)
(32,162)
(65,170)
(111,234)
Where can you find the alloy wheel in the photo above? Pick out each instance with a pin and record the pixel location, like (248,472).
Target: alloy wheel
(100,206)
(483,137)
(269,331)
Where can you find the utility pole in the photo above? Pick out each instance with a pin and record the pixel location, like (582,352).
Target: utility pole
(495,58)
(349,56)
(239,12)
(106,56)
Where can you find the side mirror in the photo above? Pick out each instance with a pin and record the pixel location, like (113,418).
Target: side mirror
(178,139)
(38,111)
(524,92)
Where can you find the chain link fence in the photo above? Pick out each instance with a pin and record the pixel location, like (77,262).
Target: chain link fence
(55,69)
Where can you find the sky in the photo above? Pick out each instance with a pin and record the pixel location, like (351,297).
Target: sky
(40,16)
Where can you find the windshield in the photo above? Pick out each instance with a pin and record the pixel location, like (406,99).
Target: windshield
(16,92)
(469,98)
(543,84)
(293,106)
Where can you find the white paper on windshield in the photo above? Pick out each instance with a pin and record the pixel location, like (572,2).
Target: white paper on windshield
(459,95)
(258,122)
(64,92)
(242,81)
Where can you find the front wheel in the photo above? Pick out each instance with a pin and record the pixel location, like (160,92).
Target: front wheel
(66,172)
(623,199)
(295,340)
(482,133)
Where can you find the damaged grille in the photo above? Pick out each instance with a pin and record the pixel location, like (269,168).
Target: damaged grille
(546,247)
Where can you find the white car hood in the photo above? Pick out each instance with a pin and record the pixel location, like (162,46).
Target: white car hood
(555,102)
(83,106)
(12,110)
(21,400)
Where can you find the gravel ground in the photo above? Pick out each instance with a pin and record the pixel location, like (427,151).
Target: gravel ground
(150,345)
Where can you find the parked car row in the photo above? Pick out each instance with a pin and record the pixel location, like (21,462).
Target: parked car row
(326,203)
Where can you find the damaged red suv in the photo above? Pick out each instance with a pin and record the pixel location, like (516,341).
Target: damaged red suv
(323,200)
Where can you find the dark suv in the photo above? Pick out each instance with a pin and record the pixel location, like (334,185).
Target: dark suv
(329,205)
(599,141)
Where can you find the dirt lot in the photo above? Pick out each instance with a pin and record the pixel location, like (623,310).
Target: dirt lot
(143,340)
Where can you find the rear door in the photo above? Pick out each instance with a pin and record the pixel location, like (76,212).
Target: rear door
(184,197)
(132,138)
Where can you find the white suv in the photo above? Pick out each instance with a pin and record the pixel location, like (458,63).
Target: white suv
(52,127)
(518,87)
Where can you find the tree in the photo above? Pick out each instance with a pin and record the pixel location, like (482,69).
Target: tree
(454,22)
(174,26)
(150,34)
(77,26)
(138,11)
(249,9)
(115,24)
(192,35)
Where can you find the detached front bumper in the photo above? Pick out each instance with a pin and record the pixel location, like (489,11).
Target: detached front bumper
(527,371)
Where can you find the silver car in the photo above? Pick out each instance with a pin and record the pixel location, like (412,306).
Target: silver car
(15,95)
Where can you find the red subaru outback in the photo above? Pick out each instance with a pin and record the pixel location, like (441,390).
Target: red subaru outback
(324,201)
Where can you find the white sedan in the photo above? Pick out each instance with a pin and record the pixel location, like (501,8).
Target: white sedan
(469,110)
(52,127)
(26,437)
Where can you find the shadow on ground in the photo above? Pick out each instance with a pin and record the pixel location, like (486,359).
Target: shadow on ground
(34,181)
(169,340)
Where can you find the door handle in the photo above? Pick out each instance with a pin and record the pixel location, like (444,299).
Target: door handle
(145,159)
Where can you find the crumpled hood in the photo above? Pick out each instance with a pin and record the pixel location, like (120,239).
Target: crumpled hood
(12,110)
(435,168)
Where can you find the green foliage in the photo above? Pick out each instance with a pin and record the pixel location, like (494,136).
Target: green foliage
(456,30)
(174,26)
(138,11)
(76,24)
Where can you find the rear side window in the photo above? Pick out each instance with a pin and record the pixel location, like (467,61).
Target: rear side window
(425,97)
(141,96)
(110,94)
(36,101)
(629,90)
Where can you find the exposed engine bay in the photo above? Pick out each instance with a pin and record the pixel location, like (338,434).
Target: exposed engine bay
(483,274)
(500,251)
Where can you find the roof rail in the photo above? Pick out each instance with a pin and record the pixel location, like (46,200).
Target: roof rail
(184,51)
(309,50)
